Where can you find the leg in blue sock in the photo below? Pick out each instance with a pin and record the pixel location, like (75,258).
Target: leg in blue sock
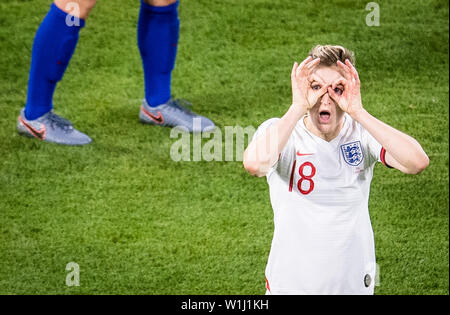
(158,32)
(53,47)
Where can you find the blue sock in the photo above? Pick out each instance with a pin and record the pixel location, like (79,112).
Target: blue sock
(158,32)
(53,48)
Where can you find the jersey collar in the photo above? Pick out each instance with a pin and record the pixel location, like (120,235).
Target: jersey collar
(336,139)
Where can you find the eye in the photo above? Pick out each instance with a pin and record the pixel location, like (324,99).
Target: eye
(338,91)
(315,87)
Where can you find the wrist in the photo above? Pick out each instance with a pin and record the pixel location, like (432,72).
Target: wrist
(297,110)
(358,114)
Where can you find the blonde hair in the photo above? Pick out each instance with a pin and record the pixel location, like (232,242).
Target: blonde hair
(330,54)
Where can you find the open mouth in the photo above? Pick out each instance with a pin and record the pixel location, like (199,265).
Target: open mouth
(324,116)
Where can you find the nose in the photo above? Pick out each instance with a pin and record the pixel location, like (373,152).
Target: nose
(326,99)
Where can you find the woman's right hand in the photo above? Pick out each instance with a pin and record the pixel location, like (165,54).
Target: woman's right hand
(303,96)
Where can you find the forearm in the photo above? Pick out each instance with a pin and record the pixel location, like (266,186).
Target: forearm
(262,153)
(407,154)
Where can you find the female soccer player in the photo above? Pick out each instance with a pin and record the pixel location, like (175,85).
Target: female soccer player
(319,159)
(54,45)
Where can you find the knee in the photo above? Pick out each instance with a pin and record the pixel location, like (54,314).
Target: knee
(78,8)
(86,7)
(88,4)
(160,3)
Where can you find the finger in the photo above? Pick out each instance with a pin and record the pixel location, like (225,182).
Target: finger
(309,68)
(311,98)
(312,64)
(341,81)
(319,93)
(333,94)
(294,70)
(320,77)
(314,95)
(345,68)
(352,70)
(302,64)
(315,77)
(323,90)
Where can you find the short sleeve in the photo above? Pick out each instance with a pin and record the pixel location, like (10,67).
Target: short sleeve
(375,151)
(286,153)
(263,127)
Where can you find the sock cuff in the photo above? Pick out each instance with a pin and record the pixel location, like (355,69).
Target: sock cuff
(60,14)
(166,9)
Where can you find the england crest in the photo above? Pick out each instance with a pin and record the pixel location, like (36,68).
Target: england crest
(353,153)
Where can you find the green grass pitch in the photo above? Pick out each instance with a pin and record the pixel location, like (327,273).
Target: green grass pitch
(137,222)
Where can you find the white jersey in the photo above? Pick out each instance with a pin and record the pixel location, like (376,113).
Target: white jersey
(323,240)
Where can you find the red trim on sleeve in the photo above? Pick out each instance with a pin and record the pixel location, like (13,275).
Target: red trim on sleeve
(383,157)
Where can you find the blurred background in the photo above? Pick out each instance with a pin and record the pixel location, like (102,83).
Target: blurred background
(137,222)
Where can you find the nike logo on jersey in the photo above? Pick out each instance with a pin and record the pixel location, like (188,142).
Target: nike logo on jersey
(156,118)
(304,154)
